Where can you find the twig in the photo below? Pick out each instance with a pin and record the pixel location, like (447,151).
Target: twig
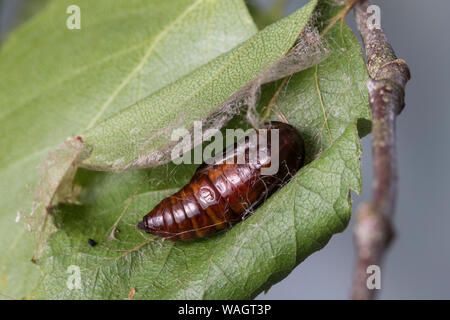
(388,77)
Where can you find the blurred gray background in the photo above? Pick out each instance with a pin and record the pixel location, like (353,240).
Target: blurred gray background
(418,264)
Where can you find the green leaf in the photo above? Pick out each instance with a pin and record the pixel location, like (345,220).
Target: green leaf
(261,250)
(296,221)
(237,264)
(139,136)
(55,83)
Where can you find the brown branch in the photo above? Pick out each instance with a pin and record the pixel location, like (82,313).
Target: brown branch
(386,85)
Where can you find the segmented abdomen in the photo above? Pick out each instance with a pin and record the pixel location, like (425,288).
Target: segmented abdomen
(221,194)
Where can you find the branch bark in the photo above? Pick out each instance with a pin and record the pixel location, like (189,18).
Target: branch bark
(388,77)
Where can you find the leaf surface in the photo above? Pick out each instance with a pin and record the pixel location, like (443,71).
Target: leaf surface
(56,83)
(323,102)
(256,253)
(140,134)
